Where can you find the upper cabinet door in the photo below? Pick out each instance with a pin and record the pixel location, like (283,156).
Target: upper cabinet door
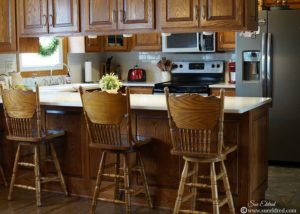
(7,26)
(218,14)
(100,15)
(63,16)
(33,17)
(183,13)
(136,14)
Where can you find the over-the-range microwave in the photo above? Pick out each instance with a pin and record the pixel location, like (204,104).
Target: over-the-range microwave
(189,42)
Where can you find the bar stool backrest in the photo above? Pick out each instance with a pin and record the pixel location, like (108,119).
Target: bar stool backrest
(22,112)
(196,123)
(104,112)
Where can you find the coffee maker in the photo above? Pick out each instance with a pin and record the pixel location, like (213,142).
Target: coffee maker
(251,64)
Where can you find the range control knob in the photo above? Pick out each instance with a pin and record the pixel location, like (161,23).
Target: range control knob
(218,65)
(175,66)
(180,66)
(213,66)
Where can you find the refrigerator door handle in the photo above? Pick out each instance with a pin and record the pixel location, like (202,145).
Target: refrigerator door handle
(264,64)
(269,66)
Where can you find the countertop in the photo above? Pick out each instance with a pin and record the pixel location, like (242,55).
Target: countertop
(222,85)
(150,102)
(138,84)
(75,86)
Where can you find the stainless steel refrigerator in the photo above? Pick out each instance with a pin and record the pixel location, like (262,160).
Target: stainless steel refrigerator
(268,65)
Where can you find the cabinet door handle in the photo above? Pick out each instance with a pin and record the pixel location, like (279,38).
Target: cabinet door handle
(52,20)
(114,16)
(221,39)
(204,12)
(196,12)
(44,20)
(123,16)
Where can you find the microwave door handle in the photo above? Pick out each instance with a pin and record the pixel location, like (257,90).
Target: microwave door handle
(201,42)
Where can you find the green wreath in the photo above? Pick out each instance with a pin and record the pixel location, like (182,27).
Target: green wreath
(49,49)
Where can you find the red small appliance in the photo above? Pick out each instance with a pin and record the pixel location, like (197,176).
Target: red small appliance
(136,74)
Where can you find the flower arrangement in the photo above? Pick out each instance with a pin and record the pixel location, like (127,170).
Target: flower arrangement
(110,82)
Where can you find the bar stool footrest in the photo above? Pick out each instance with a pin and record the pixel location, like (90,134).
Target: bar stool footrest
(24,187)
(49,179)
(111,200)
(26,164)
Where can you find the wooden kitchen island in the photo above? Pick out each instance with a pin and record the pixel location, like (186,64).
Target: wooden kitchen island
(246,124)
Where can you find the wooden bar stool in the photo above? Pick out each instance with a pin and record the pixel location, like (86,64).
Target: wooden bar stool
(23,119)
(104,113)
(196,125)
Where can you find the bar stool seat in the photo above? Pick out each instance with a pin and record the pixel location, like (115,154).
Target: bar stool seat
(196,126)
(45,136)
(104,115)
(23,120)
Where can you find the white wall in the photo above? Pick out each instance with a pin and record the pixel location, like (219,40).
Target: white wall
(76,64)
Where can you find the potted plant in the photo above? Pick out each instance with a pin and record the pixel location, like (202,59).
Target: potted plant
(110,83)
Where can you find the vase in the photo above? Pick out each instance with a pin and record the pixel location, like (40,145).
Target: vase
(165,76)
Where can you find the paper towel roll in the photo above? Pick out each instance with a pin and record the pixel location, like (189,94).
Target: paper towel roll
(88,71)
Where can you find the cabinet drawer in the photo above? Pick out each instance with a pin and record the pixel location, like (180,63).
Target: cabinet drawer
(229,92)
(140,90)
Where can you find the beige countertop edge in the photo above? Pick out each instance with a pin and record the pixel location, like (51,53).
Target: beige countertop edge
(222,85)
(141,84)
(237,105)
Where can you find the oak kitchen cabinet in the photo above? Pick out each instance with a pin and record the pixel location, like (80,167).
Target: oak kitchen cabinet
(117,43)
(7,26)
(229,92)
(214,15)
(43,17)
(118,15)
(226,41)
(147,42)
(93,44)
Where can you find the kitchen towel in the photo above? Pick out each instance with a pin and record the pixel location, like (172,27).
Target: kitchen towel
(88,71)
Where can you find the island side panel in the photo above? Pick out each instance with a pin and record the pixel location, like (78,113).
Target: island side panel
(247,168)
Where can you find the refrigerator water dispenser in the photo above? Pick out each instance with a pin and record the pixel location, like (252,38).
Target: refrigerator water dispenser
(251,64)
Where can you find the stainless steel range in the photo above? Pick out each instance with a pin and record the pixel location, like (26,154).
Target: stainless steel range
(193,77)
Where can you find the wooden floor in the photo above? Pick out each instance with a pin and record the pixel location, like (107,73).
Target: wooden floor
(24,203)
(284,188)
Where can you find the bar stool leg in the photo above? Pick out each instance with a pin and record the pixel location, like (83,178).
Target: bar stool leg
(145,182)
(15,169)
(126,184)
(58,169)
(227,189)
(117,180)
(194,189)
(37,174)
(181,187)
(2,175)
(98,182)
(214,189)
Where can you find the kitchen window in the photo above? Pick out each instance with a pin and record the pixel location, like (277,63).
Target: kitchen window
(36,62)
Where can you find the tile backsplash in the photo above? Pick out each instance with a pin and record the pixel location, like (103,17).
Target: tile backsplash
(127,60)
(148,60)
(8,63)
